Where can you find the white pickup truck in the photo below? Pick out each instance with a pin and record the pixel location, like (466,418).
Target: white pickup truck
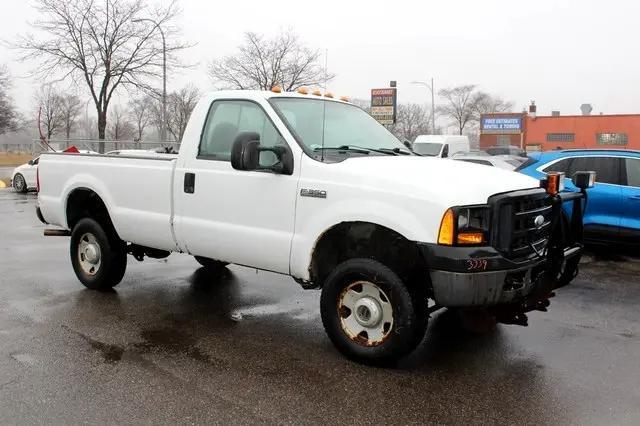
(314,188)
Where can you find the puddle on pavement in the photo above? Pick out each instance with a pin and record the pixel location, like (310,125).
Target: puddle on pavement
(171,340)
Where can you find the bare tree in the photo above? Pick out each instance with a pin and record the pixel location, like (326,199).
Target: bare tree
(262,63)
(180,105)
(9,118)
(70,108)
(51,115)
(485,103)
(140,110)
(411,120)
(459,105)
(106,44)
(120,128)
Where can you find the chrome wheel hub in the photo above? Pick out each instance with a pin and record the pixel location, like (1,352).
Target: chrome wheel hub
(89,254)
(366,315)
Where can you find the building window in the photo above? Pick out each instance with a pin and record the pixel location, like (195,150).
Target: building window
(561,137)
(503,140)
(611,138)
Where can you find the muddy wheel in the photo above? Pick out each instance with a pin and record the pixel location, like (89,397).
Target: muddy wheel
(369,313)
(19,184)
(211,264)
(99,260)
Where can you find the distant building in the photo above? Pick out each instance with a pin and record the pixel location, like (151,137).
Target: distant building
(534,133)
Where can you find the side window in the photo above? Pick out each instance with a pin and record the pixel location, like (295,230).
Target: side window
(226,120)
(633,171)
(607,168)
(559,166)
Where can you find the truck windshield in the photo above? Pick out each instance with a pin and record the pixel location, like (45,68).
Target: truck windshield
(430,149)
(347,129)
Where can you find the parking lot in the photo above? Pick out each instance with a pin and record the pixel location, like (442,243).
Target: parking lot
(173,344)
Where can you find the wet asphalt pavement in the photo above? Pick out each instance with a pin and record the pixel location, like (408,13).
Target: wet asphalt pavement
(174,345)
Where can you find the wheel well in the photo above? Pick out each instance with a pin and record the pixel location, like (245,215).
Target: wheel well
(349,240)
(84,202)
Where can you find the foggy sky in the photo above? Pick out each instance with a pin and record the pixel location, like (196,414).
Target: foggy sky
(561,53)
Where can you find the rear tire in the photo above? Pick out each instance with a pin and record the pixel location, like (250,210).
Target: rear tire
(99,259)
(19,184)
(211,264)
(369,314)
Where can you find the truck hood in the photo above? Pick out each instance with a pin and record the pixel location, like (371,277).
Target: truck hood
(449,181)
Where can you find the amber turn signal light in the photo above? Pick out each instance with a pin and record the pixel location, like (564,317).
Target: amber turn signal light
(447,228)
(470,238)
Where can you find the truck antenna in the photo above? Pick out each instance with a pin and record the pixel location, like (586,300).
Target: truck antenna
(324,103)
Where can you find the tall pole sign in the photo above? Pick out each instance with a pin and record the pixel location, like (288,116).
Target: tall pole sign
(383,105)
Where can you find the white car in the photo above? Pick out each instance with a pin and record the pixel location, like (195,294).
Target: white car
(316,189)
(23,178)
(505,162)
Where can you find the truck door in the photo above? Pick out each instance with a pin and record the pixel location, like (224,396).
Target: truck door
(243,217)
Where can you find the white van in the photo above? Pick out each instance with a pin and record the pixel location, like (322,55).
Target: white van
(441,145)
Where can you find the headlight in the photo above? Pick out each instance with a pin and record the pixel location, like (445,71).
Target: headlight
(466,225)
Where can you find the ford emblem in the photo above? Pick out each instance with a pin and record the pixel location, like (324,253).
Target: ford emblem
(538,221)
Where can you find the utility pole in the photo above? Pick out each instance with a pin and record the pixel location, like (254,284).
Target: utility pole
(163,128)
(433,102)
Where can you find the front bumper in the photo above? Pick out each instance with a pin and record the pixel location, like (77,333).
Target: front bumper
(481,276)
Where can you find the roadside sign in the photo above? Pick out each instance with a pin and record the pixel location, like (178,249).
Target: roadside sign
(383,105)
(505,124)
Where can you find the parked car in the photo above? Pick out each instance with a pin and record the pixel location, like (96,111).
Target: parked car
(23,178)
(506,162)
(293,184)
(441,145)
(613,210)
(506,150)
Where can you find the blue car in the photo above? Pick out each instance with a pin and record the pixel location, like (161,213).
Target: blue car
(613,208)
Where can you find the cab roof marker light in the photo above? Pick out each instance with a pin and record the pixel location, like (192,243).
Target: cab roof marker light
(316,93)
(328,95)
(303,90)
(276,89)
(344,98)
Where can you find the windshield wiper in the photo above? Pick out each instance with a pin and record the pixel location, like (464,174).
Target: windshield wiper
(358,149)
(395,151)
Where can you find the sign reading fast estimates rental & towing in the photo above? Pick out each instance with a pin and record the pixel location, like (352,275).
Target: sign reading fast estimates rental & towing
(501,124)
(383,105)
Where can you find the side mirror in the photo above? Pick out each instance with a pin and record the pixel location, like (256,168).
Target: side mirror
(31,162)
(245,154)
(584,180)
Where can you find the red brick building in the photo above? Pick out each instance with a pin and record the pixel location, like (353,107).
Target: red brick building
(535,133)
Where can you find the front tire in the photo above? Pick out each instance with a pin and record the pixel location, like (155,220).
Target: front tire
(99,259)
(19,184)
(369,314)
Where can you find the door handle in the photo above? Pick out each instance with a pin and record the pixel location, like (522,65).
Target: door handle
(189,183)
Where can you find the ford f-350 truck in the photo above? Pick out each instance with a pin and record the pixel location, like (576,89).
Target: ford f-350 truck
(313,187)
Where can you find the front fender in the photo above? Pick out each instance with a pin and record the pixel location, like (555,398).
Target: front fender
(317,221)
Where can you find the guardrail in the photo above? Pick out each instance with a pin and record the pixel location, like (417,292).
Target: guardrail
(101,146)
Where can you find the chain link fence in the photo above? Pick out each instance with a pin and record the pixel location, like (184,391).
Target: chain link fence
(103,146)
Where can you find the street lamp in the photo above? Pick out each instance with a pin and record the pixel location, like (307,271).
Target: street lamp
(163,129)
(433,103)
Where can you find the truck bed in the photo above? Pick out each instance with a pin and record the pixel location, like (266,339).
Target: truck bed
(137,192)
